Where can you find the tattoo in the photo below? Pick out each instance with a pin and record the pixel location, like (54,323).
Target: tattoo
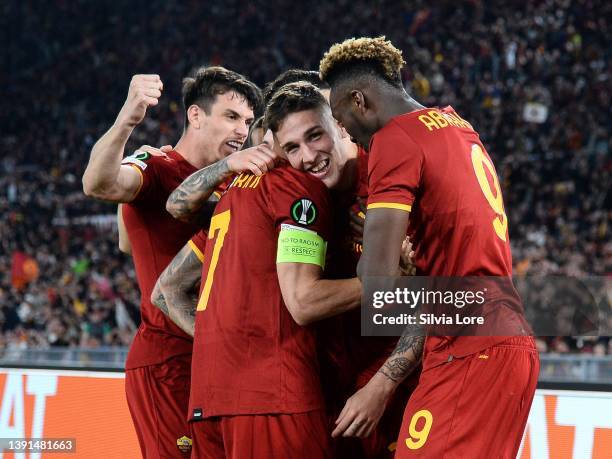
(406,355)
(160,302)
(409,342)
(181,282)
(187,200)
(396,369)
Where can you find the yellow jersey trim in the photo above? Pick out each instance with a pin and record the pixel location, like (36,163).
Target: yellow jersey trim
(196,250)
(389,205)
(141,179)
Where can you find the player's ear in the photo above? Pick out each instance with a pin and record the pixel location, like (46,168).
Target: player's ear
(194,115)
(358,100)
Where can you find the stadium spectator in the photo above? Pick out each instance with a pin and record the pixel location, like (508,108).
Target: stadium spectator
(534,81)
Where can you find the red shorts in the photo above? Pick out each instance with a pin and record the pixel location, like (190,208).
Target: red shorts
(158,398)
(474,406)
(282,436)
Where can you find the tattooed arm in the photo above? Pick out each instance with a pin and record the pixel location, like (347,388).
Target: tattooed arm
(176,290)
(364,409)
(406,356)
(384,232)
(186,202)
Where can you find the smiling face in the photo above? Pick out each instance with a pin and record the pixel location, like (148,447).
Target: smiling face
(224,129)
(311,141)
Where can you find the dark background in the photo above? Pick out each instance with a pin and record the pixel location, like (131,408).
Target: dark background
(66,67)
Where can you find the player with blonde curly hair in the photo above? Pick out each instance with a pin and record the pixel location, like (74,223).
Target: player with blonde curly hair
(474,394)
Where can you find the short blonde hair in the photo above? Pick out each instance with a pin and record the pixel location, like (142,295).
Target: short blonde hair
(377,52)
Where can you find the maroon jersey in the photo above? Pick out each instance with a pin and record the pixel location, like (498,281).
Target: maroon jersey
(155,237)
(432,163)
(249,356)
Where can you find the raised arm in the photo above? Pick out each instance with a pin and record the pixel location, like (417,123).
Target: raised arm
(105,177)
(176,290)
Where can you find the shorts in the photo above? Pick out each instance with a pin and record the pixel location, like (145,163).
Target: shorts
(474,406)
(158,399)
(272,436)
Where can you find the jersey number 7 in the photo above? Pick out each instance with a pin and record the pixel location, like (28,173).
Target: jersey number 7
(219,225)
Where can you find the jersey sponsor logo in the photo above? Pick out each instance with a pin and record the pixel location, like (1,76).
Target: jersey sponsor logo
(184,444)
(304,212)
(138,158)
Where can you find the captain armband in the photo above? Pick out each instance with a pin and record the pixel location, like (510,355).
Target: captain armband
(300,245)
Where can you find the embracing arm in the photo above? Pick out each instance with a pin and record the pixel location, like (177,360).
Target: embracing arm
(310,298)
(186,201)
(176,290)
(384,233)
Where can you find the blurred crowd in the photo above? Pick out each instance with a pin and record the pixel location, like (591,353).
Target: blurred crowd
(534,80)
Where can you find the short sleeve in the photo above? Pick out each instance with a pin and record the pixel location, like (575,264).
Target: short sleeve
(198,244)
(394,170)
(222,187)
(147,167)
(297,199)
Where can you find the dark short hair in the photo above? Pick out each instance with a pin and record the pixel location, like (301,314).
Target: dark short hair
(207,83)
(292,76)
(292,98)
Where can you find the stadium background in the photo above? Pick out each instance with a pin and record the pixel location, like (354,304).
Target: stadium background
(533,77)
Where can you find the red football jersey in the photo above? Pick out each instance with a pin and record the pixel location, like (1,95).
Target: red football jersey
(432,163)
(156,237)
(198,243)
(341,339)
(249,356)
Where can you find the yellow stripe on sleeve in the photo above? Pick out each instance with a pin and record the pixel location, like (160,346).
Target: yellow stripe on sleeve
(196,250)
(141,179)
(390,205)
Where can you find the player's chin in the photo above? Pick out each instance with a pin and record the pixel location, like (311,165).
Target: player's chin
(330,179)
(325,174)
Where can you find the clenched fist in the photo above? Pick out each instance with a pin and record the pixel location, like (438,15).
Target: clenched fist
(144,92)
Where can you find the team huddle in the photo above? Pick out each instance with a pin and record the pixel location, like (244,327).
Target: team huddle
(251,238)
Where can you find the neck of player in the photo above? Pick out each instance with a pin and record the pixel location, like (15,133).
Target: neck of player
(394,103)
